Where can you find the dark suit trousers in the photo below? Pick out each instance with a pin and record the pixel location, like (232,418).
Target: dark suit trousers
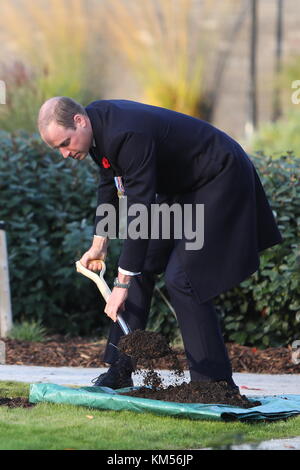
(198,322)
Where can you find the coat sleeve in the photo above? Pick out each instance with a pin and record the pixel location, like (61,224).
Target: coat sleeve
(137,158)
(106,194)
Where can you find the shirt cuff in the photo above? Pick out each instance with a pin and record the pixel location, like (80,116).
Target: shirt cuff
(129,273)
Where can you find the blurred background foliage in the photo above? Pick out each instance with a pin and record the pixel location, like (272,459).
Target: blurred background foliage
(79,48)
(276,138)
(161,44)
(282,135)
(48,53)
(188,55)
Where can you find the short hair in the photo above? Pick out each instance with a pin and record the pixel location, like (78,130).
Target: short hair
(62,112)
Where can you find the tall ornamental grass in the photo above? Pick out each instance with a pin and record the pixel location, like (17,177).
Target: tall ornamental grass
(160,42)
(46,52)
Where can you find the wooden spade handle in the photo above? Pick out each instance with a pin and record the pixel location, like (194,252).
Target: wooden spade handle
(98,279)
(103,287)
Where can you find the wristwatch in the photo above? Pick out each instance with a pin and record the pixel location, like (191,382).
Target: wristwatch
(117,283)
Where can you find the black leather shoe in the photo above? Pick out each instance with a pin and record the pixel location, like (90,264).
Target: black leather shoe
(232,385)
(118,375)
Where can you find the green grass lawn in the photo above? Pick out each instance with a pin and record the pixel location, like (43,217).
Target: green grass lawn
(54,426)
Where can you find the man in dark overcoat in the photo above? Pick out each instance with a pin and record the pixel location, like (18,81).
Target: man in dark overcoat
(152,155)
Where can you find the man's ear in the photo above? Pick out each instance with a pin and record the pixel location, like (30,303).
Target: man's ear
(79,120)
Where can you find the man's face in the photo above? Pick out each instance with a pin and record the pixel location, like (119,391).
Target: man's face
(74,143)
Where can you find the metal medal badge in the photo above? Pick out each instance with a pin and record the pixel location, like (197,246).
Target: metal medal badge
(119,186)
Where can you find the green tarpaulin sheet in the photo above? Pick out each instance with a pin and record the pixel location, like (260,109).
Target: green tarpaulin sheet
(271,408)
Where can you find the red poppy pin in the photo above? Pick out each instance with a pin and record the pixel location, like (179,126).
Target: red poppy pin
(105,163)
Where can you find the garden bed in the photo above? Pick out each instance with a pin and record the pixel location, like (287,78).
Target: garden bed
(58,351)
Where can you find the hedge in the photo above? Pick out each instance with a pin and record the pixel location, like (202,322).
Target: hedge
(48,205)
(265,309)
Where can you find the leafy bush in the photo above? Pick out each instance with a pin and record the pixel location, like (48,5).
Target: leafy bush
(265,309)
(48,206)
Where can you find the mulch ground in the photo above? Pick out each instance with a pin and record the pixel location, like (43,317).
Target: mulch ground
(58,351)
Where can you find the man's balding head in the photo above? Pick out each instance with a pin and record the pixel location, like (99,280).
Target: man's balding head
(64,125)
(61,110)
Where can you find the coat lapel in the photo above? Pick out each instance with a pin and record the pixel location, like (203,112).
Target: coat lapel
(98,151)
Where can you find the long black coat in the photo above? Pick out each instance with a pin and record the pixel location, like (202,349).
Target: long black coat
(165,155)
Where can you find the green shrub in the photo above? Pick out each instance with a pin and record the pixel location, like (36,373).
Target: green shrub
(265,309)
(28,331)
(48,206)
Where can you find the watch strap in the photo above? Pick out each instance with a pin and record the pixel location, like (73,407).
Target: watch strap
(117,283)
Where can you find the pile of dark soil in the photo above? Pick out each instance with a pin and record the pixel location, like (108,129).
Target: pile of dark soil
(145,346)
(197,392)
(18,402)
